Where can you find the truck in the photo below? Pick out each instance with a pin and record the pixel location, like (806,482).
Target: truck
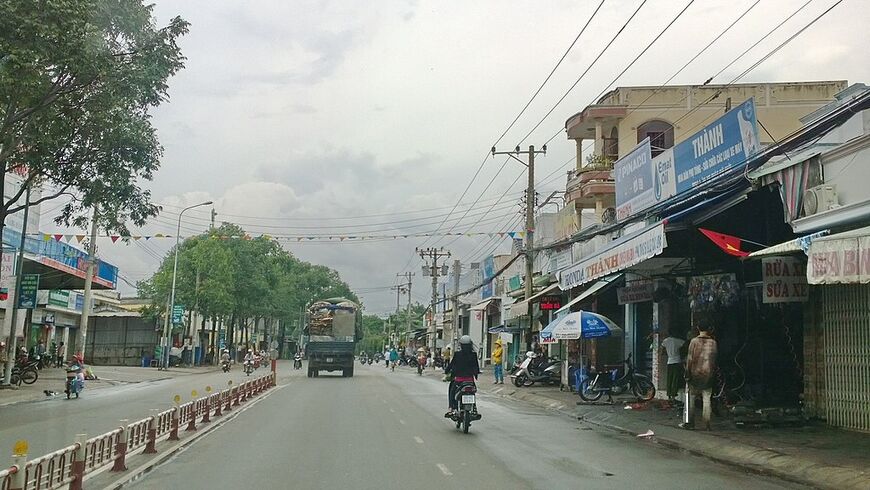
(332,327)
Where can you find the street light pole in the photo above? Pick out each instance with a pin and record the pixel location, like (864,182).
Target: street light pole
(167,325)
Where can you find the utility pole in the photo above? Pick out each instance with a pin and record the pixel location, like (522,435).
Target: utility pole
(400,288)
(82,334)
(431,256)
(213,216)
(11,348)
(407,285)
(457,270)
(530,215)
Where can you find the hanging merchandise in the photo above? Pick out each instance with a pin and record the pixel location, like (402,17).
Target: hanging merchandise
(713,291)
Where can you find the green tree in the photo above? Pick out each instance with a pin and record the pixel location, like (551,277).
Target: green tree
(78,79)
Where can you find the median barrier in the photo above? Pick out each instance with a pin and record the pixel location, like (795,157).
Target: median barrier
(67,467)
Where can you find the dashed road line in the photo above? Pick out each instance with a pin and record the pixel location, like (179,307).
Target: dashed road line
(418,439)
(444,469)
(401,421)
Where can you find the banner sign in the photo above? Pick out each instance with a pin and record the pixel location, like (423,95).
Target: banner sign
(784,280)
(720,146)
(638,292)
(488,272)
(29,290)
(177,314)
(839,261)
(625,253)
(7,277)
(634,180)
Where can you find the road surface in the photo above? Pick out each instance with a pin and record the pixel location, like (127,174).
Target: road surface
(386,431)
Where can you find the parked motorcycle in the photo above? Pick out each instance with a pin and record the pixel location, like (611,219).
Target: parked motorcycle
(466,396)
(597,383)
(537,370)
(26,373)
(75,381)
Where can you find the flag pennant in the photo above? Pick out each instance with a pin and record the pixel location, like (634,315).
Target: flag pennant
(512,234)
(68,238)
(114,238)
(80,238)
(57,237)
(729,244)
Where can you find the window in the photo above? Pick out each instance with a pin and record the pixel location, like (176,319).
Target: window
(660,134)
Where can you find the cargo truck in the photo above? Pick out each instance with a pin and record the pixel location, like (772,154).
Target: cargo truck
(332,329)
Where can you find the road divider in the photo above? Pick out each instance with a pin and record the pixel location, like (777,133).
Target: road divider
(68,467)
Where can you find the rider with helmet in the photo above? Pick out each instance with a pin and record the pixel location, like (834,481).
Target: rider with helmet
(464,368)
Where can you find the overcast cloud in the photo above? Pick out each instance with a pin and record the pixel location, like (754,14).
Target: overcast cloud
(292,110)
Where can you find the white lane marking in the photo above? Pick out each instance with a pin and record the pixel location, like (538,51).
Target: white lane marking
(392,411)
(418,439)
(401,421)
(444,469)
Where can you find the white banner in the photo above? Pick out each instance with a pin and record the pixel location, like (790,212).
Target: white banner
(784,280)
(839,261)
(622,255)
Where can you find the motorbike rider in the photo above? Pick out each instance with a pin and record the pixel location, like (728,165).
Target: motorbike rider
(225,357)
(464,368)
(249,357)
(394,357)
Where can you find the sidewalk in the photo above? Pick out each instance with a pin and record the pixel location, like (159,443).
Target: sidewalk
(815,454)
(54,379)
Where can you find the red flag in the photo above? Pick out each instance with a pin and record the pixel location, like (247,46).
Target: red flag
(729,244)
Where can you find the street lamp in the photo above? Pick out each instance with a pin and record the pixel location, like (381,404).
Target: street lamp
(168,325)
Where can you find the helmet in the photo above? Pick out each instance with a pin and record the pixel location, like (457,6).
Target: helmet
(465,340)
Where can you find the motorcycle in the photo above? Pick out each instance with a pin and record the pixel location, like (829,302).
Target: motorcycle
(257,362)
(466,397)
(225,365)
(26,373)
(75,381)
(363,360)
(370,361)
(421,362)
(249,367)
(537,370)
(297,362)
(411,361)
(379,357)
(597,383)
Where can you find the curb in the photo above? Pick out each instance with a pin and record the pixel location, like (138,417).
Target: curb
(757,460)
(144,468)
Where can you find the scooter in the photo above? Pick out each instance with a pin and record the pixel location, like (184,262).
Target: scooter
(600,382)
(370,361)
(75,381)
(363,360)
(27,373)
(249,367)
(421,362)
(466,398)
(256,362)
(225,366)
(297,362)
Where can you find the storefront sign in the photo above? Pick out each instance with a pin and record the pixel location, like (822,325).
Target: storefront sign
(784,280)
(177,314)
(7,276)
(638,292)
(29,290)
(722,145)
(622,255)
(488,272)
(634,180)
(548,303)
(839,261)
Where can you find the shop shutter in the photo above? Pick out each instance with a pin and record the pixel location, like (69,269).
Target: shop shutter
(846,325)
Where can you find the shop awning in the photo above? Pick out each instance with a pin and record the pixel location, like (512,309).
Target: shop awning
(842,258)
(482,305)
(523,306)
(498,329)
(623,253)
(594,289)
(801,244)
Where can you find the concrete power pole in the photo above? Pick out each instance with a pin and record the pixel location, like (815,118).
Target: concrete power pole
(530,215)
(457,270)
(12,301)
(82,334)
(407,288)
(431,256)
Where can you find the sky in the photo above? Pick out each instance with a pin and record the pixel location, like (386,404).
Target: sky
(371,118)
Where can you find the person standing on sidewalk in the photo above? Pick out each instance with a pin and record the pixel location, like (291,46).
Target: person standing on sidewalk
(700,369)
(671,347)
(497,355)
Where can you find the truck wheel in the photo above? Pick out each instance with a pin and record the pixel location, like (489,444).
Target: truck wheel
(350,372)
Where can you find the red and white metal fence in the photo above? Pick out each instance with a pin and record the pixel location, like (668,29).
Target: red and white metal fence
(68,467)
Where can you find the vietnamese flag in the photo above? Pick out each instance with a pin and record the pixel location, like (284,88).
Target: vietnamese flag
(729,244)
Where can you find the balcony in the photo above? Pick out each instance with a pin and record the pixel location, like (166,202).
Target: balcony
(589,187)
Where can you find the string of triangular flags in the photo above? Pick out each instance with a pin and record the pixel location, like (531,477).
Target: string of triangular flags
(68,238)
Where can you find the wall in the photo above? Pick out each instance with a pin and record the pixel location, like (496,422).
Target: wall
(120,341)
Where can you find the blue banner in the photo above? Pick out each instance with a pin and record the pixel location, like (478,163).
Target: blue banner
(488,272)
(720,146)
(634,180)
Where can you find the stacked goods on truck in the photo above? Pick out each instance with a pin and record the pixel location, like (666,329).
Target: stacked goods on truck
(332,329)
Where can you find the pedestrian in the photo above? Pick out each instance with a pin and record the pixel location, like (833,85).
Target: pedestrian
(52,348)
(446,356)
(59,354)
(497,357)
(671,347)
(700,369)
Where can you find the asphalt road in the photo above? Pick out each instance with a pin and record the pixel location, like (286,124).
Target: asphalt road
(53,423)
(385,430)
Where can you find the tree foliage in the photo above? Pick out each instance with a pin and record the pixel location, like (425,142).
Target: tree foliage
(78,79)
(241,279)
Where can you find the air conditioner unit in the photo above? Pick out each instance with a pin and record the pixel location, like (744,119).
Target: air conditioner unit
(820,198)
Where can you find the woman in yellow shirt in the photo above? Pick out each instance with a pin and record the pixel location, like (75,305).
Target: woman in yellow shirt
(497,369)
